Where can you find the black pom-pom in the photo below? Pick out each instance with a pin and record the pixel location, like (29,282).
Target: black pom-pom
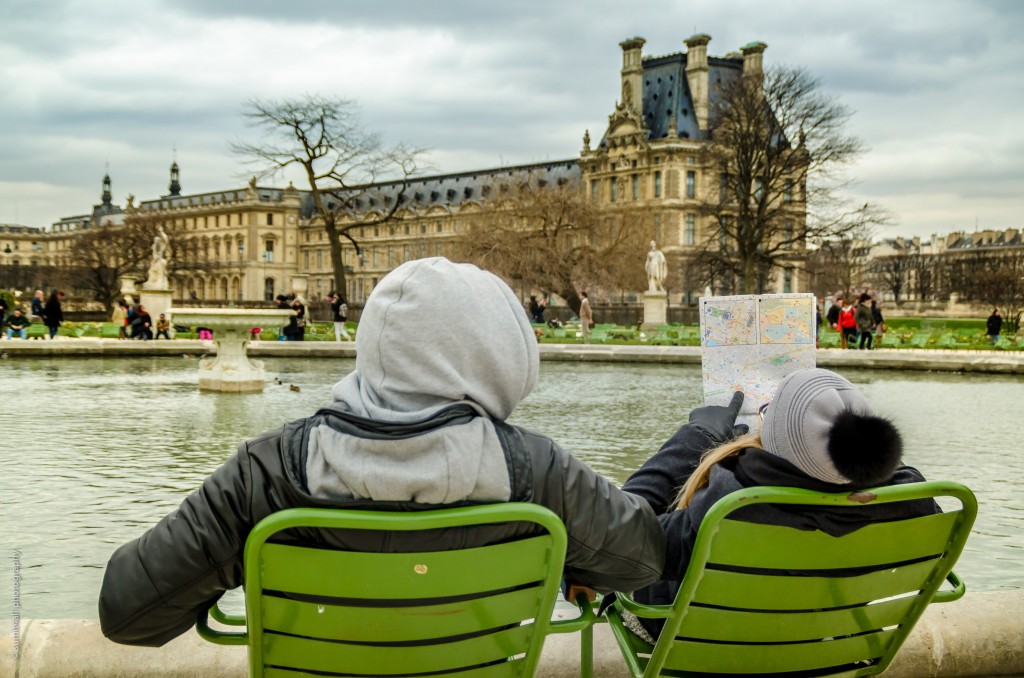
(865,448)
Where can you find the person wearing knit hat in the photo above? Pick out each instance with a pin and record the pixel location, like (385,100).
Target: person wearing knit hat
(818,432)
(419,423)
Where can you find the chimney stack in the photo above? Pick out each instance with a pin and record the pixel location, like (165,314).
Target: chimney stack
(753,54)
(697,75)
(632,73)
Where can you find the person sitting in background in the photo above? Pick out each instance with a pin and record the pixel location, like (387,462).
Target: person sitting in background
(3,314)
(163,326)
(16,324)
(536,310)
(420,423)
(817,433)
(142,324)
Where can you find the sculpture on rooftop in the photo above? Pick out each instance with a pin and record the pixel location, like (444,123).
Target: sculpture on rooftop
(657,269)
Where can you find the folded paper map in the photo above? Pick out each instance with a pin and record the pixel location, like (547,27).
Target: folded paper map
(750,342)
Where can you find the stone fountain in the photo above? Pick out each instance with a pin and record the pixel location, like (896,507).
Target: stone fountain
(231,371)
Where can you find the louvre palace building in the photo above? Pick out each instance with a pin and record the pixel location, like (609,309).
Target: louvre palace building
(263,240)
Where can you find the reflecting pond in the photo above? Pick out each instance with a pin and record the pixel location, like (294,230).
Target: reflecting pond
(97,450)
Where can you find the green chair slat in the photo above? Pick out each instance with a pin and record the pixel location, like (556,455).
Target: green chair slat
(36,331)
(377,624)
(508,669)
(750,626)
(305,654)
(756,658)
(786,548)
(743,608)
(396,575)
(110,331)
(731,589)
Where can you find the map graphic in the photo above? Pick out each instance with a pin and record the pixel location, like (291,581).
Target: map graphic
(750,343)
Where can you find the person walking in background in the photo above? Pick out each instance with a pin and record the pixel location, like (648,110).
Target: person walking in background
(833,313)
(880,328)
(536,310)
(340,310)
(586,317)
(865,321)
(848,326)
(53,312)
(993,326)
(299,328)
(119,317)
(16,324)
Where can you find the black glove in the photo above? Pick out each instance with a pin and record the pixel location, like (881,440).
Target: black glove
(719,423)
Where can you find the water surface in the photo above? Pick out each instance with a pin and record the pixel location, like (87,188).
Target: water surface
(97,450)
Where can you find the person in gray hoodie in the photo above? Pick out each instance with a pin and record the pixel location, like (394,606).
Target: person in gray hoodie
(445,352)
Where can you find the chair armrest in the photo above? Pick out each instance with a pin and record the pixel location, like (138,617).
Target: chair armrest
(948,596)
(580,623)
(221,637)
(641,610)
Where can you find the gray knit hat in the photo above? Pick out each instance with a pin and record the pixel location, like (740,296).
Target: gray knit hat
(821,424)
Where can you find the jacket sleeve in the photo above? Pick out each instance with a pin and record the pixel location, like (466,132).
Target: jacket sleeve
(663,475)
(615,541)
(155,585)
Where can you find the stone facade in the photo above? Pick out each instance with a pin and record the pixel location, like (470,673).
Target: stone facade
(261,241)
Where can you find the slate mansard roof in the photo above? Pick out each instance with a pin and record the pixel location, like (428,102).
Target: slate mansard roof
(666,93)
(453,190)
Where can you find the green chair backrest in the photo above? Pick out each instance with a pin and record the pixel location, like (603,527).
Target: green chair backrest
(110,331)
(479,611)
(770,599)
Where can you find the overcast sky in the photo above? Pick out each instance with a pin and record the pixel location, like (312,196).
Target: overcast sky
(937,87)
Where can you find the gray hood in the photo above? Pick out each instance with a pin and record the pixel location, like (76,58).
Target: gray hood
(433,333)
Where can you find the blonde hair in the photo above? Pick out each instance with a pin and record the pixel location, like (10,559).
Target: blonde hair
(699,477)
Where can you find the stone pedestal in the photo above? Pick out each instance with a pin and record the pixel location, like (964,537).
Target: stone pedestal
(655,310)
(128,290)
(156,302)
(231,371)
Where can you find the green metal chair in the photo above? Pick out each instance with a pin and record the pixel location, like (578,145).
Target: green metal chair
(760,599)
(478,611)
(110,331)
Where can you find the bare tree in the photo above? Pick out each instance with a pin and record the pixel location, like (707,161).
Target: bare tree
(104,254)
(553,238)
(995,278)
(840,263)
(779,146)
(892,273)
(925,275)
(341,162)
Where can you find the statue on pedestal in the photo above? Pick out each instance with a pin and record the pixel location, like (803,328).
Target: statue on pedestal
(157,279)
(657,269)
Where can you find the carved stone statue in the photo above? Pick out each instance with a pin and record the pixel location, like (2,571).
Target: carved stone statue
(657,269)
(158,264)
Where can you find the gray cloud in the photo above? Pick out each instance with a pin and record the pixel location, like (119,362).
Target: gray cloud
(935,85)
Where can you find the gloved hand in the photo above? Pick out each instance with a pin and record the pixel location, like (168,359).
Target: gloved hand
(719,423)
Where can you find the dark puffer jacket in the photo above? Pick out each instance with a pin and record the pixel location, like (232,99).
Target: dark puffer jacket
(155,586)
(659,480)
